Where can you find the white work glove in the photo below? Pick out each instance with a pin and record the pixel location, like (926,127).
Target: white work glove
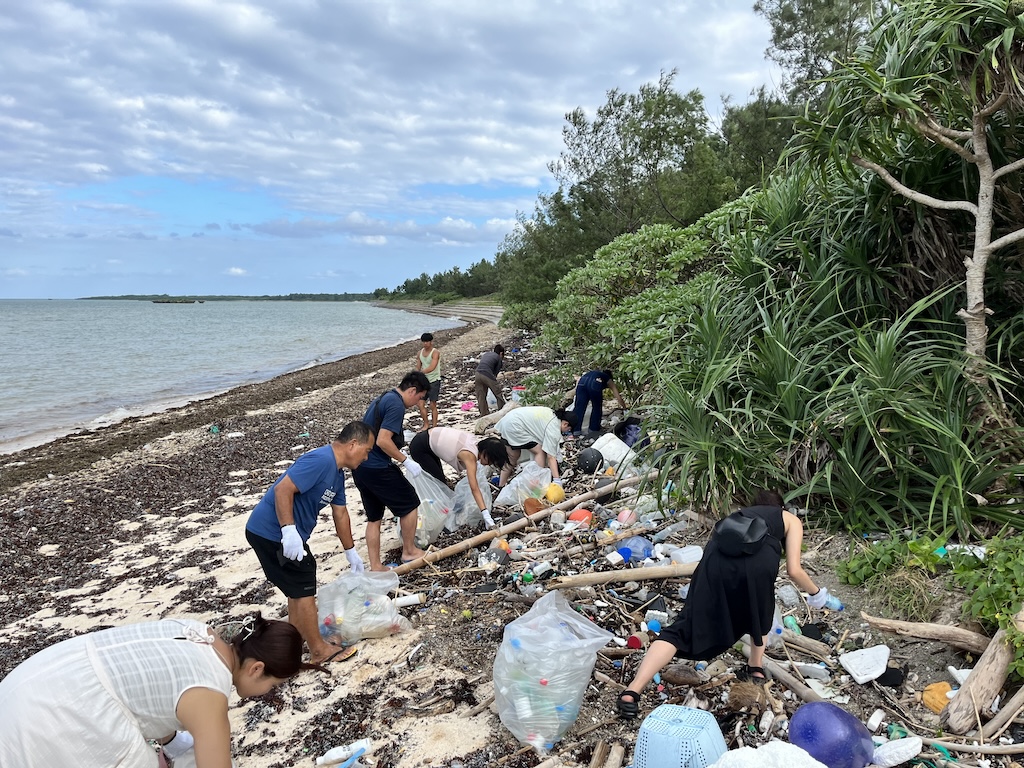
(818,599)
(292,543)
(412,467)
(355,562)
(488,520)
(557,481)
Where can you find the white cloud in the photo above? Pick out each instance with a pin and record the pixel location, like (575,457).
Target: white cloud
(236,272)
(381,124)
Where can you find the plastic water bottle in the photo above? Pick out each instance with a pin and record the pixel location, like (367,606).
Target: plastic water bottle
(775,633)
(341,754)
(792,624)
(664,533)
(833,603)
(639,548)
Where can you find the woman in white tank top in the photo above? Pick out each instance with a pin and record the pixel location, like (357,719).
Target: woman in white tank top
(98,700)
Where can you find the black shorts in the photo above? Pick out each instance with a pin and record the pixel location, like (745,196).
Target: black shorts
(434,392)
(295,578)
(382,487)
(524,446)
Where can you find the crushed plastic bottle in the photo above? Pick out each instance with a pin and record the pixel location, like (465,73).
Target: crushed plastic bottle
(788,595)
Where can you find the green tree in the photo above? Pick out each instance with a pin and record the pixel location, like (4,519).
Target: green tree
(809,36)
(755,135)
(943,74)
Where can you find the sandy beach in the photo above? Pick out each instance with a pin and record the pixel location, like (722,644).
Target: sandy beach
(145,519)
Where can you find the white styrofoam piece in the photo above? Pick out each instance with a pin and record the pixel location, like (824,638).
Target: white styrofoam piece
(960,675)
(896,752)
(774,754)
(866,664)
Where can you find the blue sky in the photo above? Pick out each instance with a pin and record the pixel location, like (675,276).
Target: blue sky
(241,147)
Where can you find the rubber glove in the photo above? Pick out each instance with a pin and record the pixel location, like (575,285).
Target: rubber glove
(557,481)
(412,467)
(355,562)
(292,543)
(488,520)
(817,600)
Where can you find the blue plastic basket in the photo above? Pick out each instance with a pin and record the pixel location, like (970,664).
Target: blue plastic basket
(678,737)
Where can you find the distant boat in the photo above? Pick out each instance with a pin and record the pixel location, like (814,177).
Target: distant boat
(174,301)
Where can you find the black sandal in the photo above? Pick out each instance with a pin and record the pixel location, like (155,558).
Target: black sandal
(627,704)
(755,675)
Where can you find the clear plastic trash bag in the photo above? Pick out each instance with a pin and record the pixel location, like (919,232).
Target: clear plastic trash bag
(435,507)
(465,512)
(542,670)
(356,606)
(531,482)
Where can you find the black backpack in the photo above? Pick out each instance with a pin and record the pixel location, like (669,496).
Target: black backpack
(739,535)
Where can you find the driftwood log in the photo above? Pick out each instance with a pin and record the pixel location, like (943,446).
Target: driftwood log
(778,672)
(481,424)
(615,756)
(600,754)
(628,574)
(482,538)
(974,699)
(955,636)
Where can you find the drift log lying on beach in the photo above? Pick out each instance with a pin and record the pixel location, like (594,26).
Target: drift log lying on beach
(974,699)
(955,636)
(486,536)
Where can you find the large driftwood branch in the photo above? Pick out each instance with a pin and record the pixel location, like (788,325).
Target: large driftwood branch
(1006,713)
(913,194)
(486,536)
(481,424)
(986,680)
(955,636)
(626,574)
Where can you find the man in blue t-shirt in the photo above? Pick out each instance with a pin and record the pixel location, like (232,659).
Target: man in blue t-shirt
(379,480)
(283,520)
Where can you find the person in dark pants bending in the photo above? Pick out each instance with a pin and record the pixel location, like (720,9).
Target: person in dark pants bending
(590,391)
(461,451)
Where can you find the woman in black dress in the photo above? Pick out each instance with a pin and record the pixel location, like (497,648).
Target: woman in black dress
(730,596)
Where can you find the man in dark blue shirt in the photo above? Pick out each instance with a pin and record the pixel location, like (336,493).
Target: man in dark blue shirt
(379,480)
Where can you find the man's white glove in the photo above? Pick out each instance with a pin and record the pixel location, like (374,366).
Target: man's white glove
(355,562)
(488,520)
(818,599)
(557,481)
(412,467)
(292,543)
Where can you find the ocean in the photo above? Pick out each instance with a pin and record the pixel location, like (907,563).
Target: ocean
(67,365)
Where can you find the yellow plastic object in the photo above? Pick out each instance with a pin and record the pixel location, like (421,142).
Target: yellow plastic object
(934,696)
(555,494)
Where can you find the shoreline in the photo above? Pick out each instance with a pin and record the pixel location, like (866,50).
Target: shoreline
(75,448)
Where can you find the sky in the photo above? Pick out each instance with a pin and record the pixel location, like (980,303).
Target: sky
(311,146)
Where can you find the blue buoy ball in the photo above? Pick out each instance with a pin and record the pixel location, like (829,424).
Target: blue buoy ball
(831,735)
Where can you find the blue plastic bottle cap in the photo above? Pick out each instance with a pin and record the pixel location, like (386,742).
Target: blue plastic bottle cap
(654,625)
(516,642)
(626,552)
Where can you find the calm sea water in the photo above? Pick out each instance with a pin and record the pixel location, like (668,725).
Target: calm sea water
(66,365)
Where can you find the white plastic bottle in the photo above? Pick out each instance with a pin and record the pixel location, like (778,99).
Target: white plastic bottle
(775,633)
